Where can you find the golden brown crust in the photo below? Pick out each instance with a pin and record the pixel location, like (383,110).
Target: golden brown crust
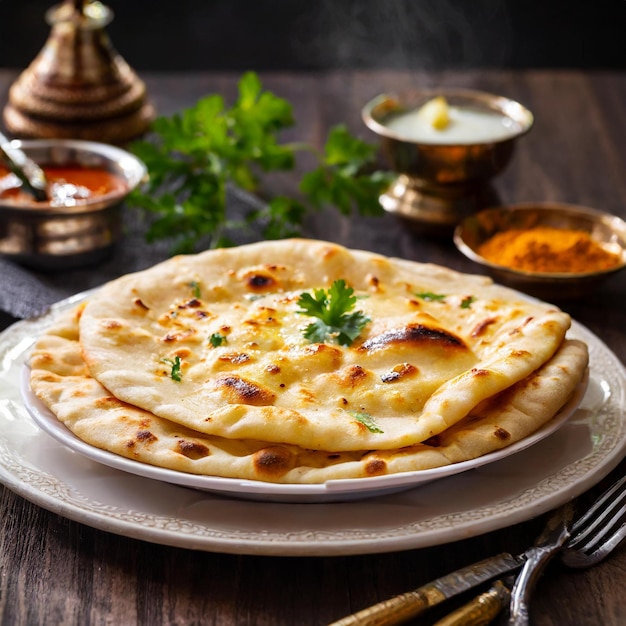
(266,381)
(61,380)
(200,365)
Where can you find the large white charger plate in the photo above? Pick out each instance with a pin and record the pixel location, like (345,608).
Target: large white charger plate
(487,497)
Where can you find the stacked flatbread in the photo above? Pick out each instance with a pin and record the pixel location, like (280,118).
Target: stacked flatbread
(200,364)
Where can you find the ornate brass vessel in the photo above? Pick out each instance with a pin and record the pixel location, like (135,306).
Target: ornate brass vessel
(78,86)
(439,184)
(54,238)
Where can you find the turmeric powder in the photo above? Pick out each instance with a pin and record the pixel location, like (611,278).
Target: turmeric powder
(548,249)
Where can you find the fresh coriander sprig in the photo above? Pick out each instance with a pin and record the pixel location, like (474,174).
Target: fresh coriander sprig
(195,286)
(331,307)
(196,153)
(175,374)
(367,420)
(217,339)
(466,302)
(429,296)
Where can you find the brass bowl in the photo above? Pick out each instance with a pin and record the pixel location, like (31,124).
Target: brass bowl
(441,183)
(52,238)
(606,229)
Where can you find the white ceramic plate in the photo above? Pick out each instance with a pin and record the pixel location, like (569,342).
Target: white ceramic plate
(488,497)
(330,491)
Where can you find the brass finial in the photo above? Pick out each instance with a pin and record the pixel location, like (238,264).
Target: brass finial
(78,86)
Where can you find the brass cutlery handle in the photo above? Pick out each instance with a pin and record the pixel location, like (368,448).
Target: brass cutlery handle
(395,610)
(480,611)
(408,605)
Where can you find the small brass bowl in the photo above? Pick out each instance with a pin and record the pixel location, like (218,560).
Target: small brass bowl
(440,183)
(606,229)
(53,238)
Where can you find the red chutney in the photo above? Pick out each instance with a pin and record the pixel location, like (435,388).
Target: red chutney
(93,181)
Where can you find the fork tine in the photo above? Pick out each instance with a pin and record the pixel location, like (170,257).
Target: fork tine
(601,529)
(597,514)
(580,559)
(599,536)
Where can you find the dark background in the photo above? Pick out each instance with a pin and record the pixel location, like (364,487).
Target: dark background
(321,34)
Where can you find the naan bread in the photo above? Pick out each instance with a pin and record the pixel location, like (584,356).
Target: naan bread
(418,367)
(61,379)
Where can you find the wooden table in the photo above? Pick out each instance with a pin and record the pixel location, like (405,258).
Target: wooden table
(56,571)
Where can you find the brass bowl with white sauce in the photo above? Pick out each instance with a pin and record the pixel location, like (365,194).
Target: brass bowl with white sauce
(51,238)
(607,230)
(442,179)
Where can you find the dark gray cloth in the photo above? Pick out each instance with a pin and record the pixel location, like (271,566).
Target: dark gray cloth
(26,293)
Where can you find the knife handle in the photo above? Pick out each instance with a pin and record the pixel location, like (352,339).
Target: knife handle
(412,603)
(395,610)
(482,610)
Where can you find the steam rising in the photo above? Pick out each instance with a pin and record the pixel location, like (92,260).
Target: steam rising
(403,33)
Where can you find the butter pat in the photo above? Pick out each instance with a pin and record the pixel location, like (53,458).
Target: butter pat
(435,113)
(438,122)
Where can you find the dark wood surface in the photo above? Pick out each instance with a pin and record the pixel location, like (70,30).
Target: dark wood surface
(56,571)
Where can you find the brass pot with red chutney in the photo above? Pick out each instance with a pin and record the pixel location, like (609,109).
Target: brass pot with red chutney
(80,222)
(68,185)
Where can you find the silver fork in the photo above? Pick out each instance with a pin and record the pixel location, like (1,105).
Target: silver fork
(581,544)
(589,540)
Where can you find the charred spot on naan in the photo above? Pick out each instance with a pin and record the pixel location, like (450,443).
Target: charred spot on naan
(234,358)
(192,303)
(140,306)
(109,402)
(351,377)
(189,334)
(323,355)
(263,316)
(238,390)
(374,282)
(273,461)
(192,449)
(111,325)
(262,279)
(401,370)
(412,335)
(306,395)
(481,328)
(501,433)
(143,437)
(374,466)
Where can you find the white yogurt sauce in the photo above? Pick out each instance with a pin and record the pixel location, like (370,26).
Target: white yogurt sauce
(466,126)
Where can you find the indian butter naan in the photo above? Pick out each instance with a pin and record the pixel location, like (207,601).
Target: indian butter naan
(420,366)
(61,379)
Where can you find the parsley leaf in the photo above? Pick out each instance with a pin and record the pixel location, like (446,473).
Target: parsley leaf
(196,153)
(367,420)
(467,302)
(175,374)
(340,179)
(195,286)
(431,297)
(335,323)
(217,340)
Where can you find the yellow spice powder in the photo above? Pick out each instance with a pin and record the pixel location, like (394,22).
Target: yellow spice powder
(548,249)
